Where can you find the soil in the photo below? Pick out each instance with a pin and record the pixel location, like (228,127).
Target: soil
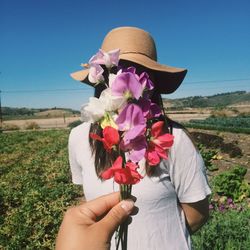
(233,149)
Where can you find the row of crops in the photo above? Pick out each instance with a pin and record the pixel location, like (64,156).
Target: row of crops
(36,188)
(229,124)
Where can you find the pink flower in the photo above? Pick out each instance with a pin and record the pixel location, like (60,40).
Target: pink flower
(108,59)
(127,175)
(110,137)
(145,81)
(158,145)
(149,109)
(136,148)
(132,121)
(95,74)
(126,84)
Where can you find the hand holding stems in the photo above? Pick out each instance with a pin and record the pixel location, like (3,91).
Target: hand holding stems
(82,229)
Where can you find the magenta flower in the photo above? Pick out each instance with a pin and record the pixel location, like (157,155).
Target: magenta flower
(132,122)
(149,109)
(211,207)
(136,148)
(154,111)
(143,78)
(126,84)
(145,81)
(229,201)
(222,208)
(108,59)
(131,70)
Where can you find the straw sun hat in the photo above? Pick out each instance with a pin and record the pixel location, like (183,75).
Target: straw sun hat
(137,46)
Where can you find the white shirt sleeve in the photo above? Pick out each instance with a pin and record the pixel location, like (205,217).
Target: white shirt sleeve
(187,171)
(75,166)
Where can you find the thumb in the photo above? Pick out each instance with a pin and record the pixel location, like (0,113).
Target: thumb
(115,217)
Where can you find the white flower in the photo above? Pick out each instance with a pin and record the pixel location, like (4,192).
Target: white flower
(113,76)
(111,102)
(96,108)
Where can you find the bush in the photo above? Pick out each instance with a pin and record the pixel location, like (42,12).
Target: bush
(208,156)
(232,184)
(9,126)
(228,230)
(74,124)
(32,125)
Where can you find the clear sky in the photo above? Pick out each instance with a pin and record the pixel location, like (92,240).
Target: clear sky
(43,41)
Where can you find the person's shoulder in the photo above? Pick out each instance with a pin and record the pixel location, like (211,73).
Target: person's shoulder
(82,127)
(181,135)
(178,130)
(80,131)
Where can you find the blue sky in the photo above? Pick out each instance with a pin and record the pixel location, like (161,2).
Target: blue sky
(43,41)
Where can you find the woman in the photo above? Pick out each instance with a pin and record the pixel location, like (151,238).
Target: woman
(173,197)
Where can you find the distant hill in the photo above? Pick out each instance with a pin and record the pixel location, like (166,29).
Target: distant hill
(12,113)
(218,100)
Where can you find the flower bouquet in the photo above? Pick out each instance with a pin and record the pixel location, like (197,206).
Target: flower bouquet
(131,125)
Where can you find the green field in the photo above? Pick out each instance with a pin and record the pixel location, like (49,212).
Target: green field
(229,124)
(35,189)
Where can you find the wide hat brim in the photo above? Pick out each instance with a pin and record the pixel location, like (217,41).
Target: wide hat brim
(167,78)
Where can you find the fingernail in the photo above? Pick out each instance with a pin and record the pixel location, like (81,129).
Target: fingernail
(127,205)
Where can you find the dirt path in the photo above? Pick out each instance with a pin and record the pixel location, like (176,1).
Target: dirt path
(63,122)
(43,123)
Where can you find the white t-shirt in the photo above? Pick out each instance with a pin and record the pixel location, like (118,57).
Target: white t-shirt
(160,222)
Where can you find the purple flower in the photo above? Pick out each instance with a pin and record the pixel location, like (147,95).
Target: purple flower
(95,74)
(131,70)
(136,148)
(127,85)
(108,59)
(145,81)
(233,206)
(155,110)
(145,106)
(149,109)
(131,121)
(221,208)
(211,207)
(229,201)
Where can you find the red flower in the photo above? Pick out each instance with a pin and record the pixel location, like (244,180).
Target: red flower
(127,175)
(110,137)
(158,144)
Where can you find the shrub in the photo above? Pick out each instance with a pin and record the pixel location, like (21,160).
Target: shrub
(232,184)
(10,126)
(208,156)
(74,124)
(228,230)
(32,125)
